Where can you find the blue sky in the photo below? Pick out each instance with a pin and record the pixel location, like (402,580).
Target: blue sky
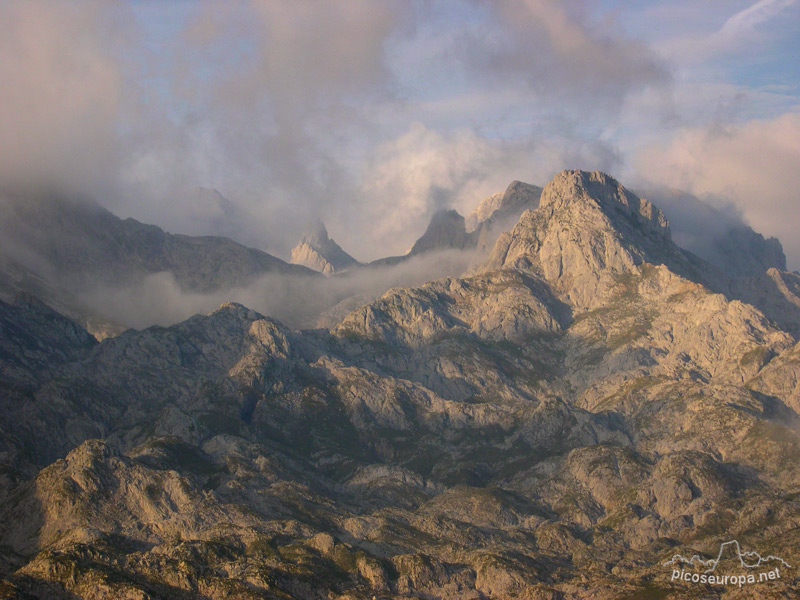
(371,115)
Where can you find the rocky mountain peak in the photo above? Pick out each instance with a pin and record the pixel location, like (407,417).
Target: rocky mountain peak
(519,193)
(605,192)
(316,235)
(518,196)
(447,229)
(484,210)
(316,250)
(588,230)
(743,251)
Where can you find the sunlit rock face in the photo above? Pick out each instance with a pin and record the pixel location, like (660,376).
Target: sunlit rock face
(587,402)
(317,251)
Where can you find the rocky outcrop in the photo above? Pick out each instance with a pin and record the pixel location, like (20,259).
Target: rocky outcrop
(446,230)
(317,251)
(492,218)
(587,230)
(496,306)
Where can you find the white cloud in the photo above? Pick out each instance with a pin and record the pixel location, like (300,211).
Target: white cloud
(292,110)
(747,19)
(423,170)
(700,43)
(419,172)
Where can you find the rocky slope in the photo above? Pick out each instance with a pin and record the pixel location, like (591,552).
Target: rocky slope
(90,244)
(476,234)
(557,424)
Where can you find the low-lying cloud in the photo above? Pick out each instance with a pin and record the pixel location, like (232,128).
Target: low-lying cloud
(299,302)
(291,112)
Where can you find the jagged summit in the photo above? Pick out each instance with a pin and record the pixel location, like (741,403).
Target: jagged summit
(446,230)
(607,193)
(499,213)
(316,235)
(317,251)
(587,230)
(484,210)
(742,251)
(516,198)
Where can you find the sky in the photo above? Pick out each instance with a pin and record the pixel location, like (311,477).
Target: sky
(251,119)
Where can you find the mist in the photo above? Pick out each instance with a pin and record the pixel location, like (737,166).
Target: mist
(298,302)
(695,225)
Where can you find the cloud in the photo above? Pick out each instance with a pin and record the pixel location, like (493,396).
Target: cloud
(699,38)
(368,115)
(422,171)
(296,301)
(695,225)
(410,177)
(753,165)
(747,19)
(292,111)
(561,55)
(265,101)
(63,91)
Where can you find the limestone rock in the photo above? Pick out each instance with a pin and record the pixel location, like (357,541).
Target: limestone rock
(317,251)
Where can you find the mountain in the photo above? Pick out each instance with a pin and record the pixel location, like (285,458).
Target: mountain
(587,231)
(559,423)
(16,278)
(446,230)
(499,213)
(510,204)
(63,250)
(739,262)
(753,269)
(84,243)
(317,251)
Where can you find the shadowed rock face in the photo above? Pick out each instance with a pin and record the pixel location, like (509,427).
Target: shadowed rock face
(67,252)
(446,230)
(557,424)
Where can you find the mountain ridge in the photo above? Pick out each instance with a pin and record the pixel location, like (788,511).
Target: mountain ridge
(553,424)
